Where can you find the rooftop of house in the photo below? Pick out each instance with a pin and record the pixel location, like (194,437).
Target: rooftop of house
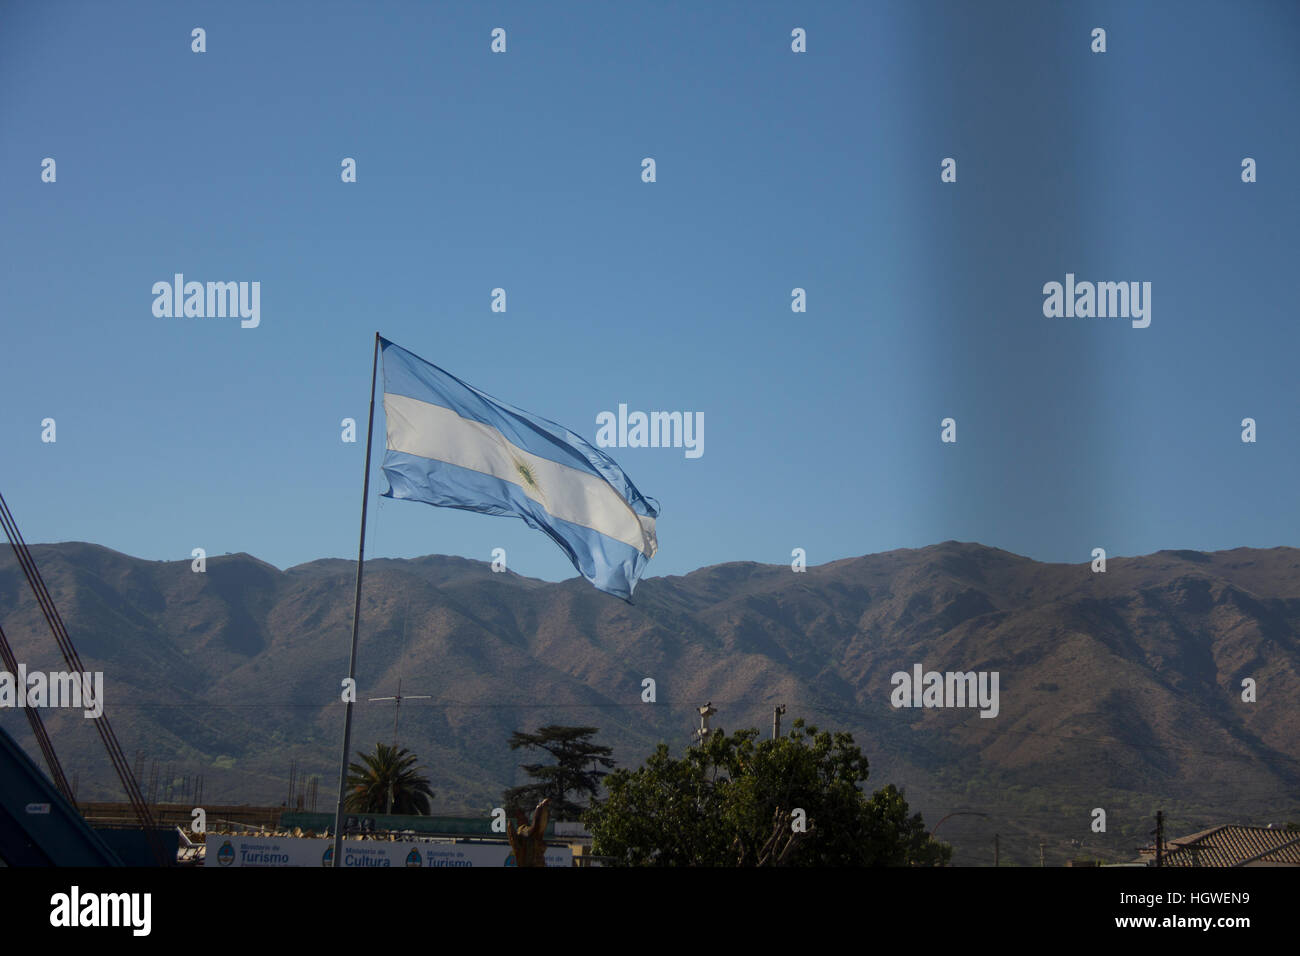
(1231,845)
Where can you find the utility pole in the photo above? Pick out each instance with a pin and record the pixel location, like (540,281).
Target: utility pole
(777,711)
(1160,838)
(995,849)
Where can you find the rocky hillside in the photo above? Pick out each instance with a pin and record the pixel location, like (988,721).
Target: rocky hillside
(1119,690)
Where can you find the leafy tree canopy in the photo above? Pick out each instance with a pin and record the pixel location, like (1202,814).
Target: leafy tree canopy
(731,802)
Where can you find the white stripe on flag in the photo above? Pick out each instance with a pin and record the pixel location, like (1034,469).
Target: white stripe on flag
(432,431)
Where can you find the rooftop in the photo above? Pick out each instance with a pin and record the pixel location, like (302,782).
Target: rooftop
(1231,845)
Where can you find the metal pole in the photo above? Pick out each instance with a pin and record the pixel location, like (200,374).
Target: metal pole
(356,620)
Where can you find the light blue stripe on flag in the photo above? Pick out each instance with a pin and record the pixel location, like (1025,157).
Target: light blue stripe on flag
(451,445)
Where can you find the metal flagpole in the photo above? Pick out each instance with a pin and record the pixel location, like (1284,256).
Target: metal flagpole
(356,622)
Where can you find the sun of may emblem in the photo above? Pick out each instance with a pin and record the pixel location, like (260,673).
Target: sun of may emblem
(526,474)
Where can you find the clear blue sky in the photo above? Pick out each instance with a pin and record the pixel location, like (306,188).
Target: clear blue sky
(775,170)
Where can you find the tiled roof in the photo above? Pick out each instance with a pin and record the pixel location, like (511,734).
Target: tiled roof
(1232,845)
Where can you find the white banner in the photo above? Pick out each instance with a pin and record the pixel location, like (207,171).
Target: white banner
(227,851)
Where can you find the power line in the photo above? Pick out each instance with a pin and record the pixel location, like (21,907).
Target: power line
(672,705)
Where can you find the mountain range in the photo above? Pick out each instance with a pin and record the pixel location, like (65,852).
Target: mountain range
(1120,691)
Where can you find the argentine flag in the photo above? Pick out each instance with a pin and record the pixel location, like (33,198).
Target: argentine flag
(453,446)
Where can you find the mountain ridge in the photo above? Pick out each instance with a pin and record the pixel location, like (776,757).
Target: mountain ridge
(1118,689)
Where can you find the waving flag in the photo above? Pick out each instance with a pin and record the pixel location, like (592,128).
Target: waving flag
(453,446)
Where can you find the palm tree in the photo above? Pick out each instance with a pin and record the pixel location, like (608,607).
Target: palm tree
(388,783)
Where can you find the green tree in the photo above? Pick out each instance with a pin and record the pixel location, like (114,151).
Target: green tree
(577,770)
(731,803)
(387,781)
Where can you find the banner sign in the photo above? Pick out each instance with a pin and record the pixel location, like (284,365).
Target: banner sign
(227,851)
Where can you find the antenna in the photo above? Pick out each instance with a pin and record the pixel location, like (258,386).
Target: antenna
(398,698)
